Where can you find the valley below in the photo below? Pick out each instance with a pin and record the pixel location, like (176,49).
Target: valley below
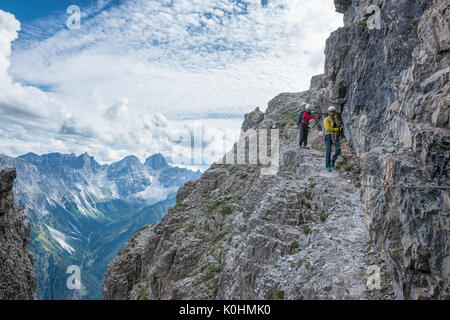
(82,213)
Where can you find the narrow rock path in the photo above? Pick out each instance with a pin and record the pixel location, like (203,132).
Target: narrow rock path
(338,245)
(330,263)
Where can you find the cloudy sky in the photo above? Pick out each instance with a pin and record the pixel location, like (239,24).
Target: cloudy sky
(145,76)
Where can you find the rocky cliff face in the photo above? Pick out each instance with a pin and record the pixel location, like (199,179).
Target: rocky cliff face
(393,87)
(301,234)
(17,278)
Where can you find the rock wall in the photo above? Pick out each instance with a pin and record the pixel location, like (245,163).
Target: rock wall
(393,87)
(17,278)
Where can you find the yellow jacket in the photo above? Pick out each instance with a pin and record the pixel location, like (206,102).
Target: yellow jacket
(330,125)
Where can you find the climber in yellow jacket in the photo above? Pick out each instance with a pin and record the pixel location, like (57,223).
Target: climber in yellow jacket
(332,133)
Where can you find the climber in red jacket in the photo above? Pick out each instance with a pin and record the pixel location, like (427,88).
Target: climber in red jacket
(306,116)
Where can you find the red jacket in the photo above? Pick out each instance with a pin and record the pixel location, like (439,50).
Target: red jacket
(306,117)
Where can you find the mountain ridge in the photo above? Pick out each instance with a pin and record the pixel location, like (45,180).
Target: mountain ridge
(73,201)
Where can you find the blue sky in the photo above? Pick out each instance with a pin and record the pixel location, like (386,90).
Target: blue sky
(136,73)
(28,10)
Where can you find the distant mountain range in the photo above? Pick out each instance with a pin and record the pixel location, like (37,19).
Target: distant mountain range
(82,212)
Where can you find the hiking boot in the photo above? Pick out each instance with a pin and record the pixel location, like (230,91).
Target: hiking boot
(329,169)
(306,147)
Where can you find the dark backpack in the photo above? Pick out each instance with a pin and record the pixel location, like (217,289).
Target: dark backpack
(300,118)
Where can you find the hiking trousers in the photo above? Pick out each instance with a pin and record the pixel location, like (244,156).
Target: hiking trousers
(329,139)
(303,138)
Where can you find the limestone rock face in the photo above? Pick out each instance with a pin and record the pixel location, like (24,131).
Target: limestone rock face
(394,85)
(304,233)
(17,278)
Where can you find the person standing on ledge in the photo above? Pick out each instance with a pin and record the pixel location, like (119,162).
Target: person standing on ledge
(332,133)
(304,118)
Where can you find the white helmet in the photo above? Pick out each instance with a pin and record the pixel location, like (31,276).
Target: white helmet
(332,109)
(308,107)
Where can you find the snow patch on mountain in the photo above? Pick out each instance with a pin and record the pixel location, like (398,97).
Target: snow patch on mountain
(61,238)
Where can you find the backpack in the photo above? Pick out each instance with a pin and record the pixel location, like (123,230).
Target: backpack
(300,118)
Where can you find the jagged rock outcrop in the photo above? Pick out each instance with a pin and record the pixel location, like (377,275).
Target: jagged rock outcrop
(300,234)
(252,119)
(17,278)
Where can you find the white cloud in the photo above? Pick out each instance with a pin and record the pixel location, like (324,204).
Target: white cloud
(19,103)
(8,33)
(117,84)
